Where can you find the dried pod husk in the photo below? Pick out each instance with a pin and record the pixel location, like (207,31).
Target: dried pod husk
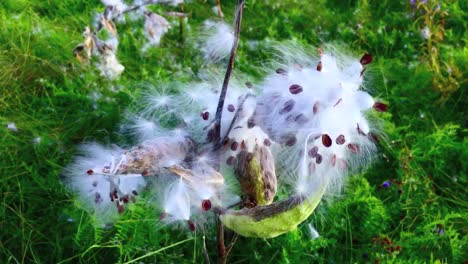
(256,174)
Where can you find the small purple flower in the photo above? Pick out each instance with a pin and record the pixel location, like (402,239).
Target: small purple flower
(386,184)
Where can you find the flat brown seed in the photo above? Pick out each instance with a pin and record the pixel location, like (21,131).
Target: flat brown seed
(316,107)
(205,115)
(230,161)
(354,148)
(319,66)
(381,107)
(326,140)
(340,140)
(291,141)
(318,159)
(281,71)
(313,152)
(287,106)
(231,108)
(295,89)
(366,59)
(234,146)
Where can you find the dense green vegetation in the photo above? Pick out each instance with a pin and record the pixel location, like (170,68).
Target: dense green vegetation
(421,217)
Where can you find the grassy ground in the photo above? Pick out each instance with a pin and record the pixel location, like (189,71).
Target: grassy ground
(422,217)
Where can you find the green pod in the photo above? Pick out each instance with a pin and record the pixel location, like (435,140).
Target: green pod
(256,175)
(268,221)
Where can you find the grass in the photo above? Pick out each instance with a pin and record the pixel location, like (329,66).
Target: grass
(45,92)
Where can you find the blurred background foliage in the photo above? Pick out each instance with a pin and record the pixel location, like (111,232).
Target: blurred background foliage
(411,206)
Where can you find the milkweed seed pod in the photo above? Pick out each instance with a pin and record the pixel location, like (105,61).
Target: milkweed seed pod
(256,174)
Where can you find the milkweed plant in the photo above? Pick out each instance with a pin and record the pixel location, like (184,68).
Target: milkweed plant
(219,151)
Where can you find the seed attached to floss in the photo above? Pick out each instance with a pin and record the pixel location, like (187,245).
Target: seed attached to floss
(354,148)
(243,145)
(318,158)
(90,172)
(340,140)
(134,192)
(281,71)
(313,152)
(319,66)
(234,146)
(295,89)
(162,216)
(291,141)
(267,142)
(97,198)
(333,160)
(205,115)
(381,107)
(366,59)
(120,208)
(231,108)
(230,161)
(326,140)
(191,225)
(287,107)
(250,123)
(316,107)
(206,205)
(249,85)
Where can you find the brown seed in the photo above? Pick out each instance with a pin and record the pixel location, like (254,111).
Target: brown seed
(230,161)
(287,107)
(191,225)
(291,140)
(90,172)
(326,140)
(340,140)
(162,216)
(373,137)
(145,173)
(316,107)
(234,146)
(281,71)
(120,208)
(318,158)
(231,108)
(243,145)
(319,66)
(366,59)
(381,107)
(124,199)
(97,198)
(354,148)
(225,141)
(342,164)
(205,115)
(301,119)
(134,192)
(311,167)
(249,157)
(295,89)
(313,152)
(333,160)
(206,205)
(267,142)
(250,123)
